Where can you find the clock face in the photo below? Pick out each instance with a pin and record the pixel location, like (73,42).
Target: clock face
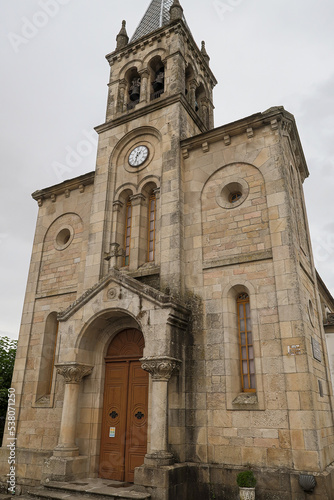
(138,156)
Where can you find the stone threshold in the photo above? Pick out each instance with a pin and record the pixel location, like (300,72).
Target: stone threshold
(88,489)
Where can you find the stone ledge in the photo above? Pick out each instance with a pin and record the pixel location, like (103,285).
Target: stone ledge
(239,259)
(246,399)
(142,271)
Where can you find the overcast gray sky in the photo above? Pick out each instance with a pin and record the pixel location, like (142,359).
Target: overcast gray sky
(54,88)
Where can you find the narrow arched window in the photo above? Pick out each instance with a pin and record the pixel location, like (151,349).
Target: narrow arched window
(48,355)
(127,235)
(247,363)
(151,228)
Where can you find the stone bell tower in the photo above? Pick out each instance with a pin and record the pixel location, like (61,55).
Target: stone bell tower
(172,332)
(160,92)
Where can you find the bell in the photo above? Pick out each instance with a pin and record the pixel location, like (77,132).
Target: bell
(134,91)
(158,83)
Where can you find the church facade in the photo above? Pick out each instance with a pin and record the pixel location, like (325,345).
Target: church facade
(173,326)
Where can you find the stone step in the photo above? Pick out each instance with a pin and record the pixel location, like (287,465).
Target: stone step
(91,489)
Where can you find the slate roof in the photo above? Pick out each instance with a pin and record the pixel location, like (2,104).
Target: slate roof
(156,16)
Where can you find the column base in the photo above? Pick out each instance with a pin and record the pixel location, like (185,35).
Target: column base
(164,483)
(64,469)
(159,458)
(59,451)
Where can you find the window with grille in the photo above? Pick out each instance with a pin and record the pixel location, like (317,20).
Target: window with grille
(247,363)
(127,237)
(151,228)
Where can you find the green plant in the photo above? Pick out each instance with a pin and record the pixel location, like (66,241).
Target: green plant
(246,479)
(7,358)
(212,493)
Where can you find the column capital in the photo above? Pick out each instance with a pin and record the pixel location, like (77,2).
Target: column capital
(161,367)
(137,199)
(144,73)
(73,372)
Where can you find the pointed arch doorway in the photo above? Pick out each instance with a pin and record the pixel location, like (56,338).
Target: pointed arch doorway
(125,408)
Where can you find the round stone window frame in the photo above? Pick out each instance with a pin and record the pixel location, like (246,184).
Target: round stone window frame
(64,237)
(230,187)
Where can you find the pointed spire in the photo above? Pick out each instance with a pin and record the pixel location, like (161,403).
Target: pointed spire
(122,37)
(176,11)
(157,15)
(204,53)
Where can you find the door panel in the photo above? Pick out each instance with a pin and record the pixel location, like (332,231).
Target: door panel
(124,421)
(136,443)
(114,421)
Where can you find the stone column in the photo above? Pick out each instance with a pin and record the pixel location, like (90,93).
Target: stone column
(161,369)
(137,201)
(73,373)
(121,101)
(192,93)
(144,91)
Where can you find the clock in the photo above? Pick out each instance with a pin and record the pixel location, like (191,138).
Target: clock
(138,156)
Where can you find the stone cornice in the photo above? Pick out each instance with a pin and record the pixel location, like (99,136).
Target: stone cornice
(161,368)
(134,114)
(64,188)
(151,294)
(73,372)
(277,118)
(177,26)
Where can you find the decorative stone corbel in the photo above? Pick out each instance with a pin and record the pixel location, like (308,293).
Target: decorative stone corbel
(227,140)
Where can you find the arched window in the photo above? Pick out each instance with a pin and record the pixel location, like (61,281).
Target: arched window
(127,233)
(157,71)
(46,369)
(133,80)
(247,363)
(151,228)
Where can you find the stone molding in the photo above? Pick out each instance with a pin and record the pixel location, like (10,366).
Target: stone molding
(156,297)
(161,368)
(285,121)
(239,259)
(73,372)
(151,107)
(64,188)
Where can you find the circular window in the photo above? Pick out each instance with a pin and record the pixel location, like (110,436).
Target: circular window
(234,197)
(64,238)
(232,194)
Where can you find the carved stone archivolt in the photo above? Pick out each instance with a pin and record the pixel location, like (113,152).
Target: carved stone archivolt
(74,372)
(161,368)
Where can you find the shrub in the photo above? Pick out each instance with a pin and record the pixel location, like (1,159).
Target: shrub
(246,479)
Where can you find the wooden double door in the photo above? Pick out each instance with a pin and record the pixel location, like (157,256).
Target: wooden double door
(125,409)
